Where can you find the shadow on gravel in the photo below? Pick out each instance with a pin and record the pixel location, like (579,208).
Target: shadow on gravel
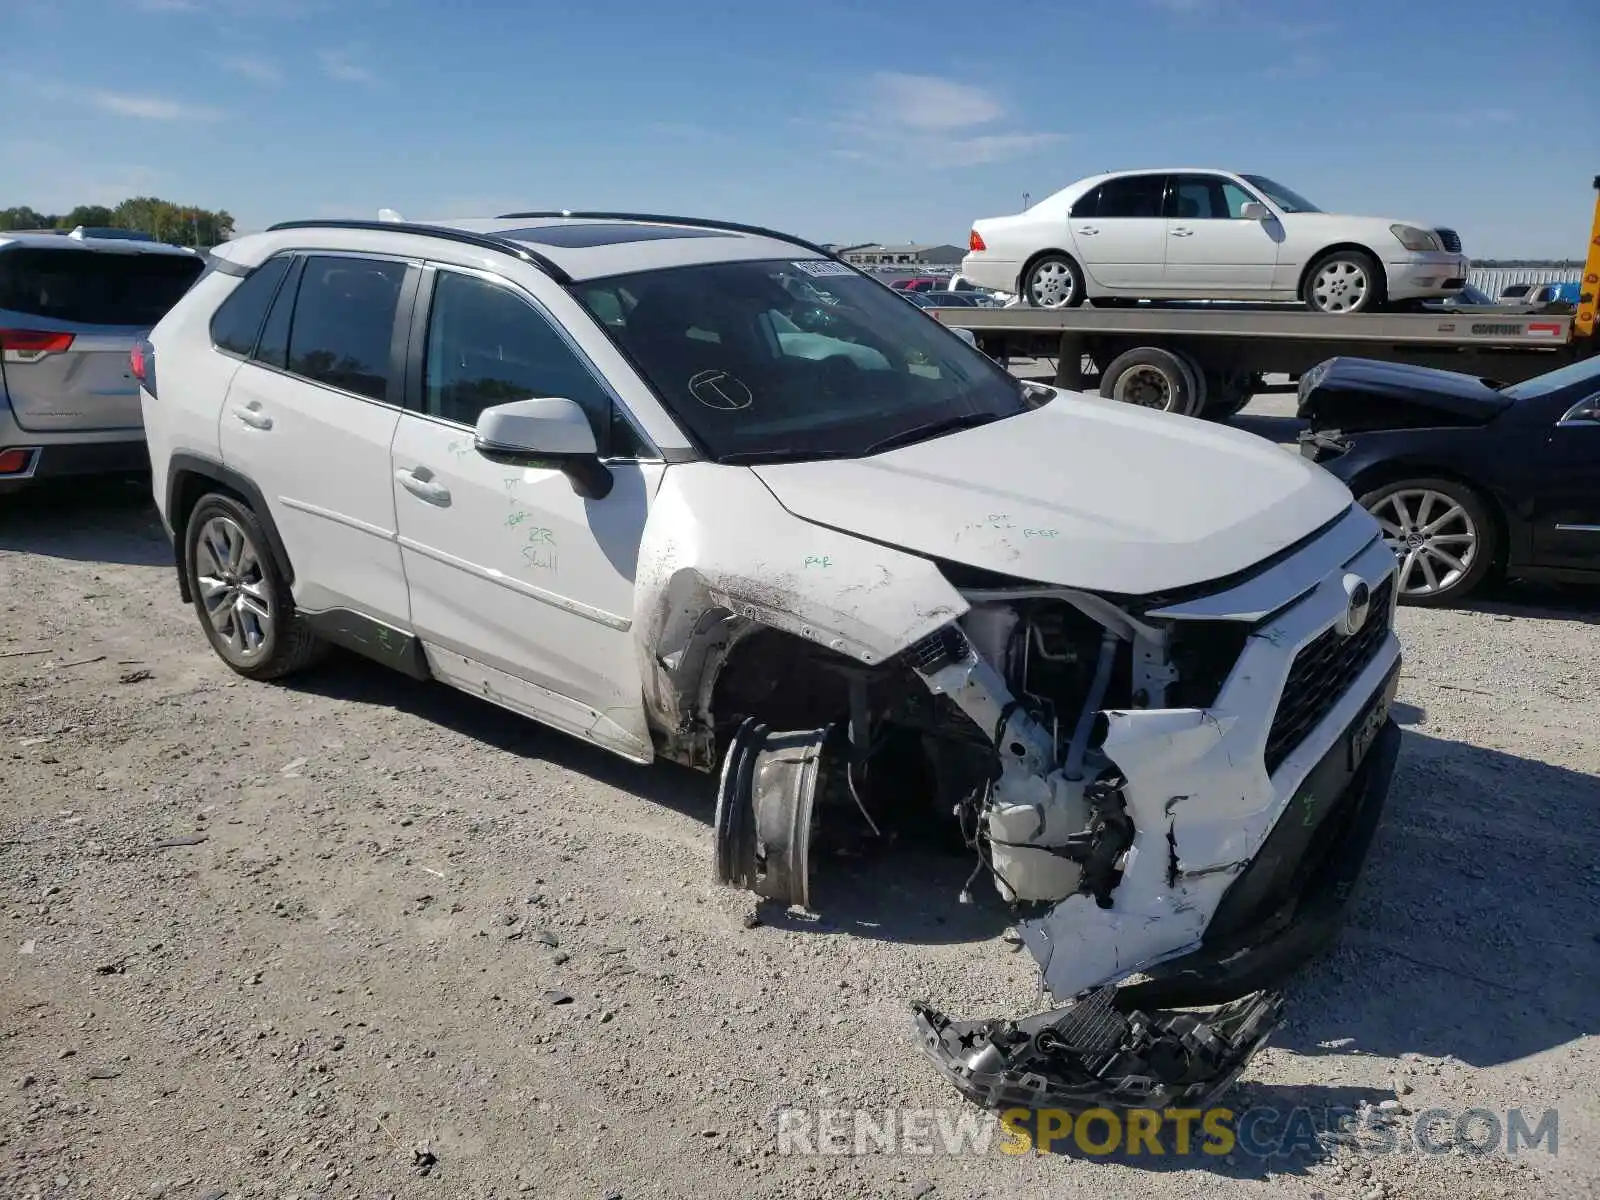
(110,520)
(898,894)
(1477,928)
(1275,1129)
(1525,598)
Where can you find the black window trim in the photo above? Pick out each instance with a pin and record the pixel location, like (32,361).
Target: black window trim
(243,274)
(405,303)
(1166,186)
(413,396)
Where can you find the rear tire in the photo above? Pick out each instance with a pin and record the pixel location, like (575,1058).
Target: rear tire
(1151,377)
(1344,282)
(1443,533)
(1052,281)
(242,599)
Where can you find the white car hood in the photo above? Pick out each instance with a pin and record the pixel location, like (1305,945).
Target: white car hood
(1083,492)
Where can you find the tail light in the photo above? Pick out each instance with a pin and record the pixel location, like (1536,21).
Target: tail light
(15,462)
(142,363)
(975,241)
(30,345)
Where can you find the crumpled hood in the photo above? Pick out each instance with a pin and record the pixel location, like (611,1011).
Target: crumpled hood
(1083,492)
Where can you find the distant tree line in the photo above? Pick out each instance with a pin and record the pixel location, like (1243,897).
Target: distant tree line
(1542,263)
(184,224)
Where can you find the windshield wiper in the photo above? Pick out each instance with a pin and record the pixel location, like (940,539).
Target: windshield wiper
(931,429)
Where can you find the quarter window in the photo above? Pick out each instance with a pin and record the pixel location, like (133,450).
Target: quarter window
(343,323)
(237,321)
(488,346)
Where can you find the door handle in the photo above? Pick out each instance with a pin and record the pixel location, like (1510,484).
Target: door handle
(1182,232)
(423,487)
(1088,230)
(252,416)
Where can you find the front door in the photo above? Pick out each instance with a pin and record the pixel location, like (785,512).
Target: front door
(1212,250)
(1120,234)
(1566,529)
(521,589)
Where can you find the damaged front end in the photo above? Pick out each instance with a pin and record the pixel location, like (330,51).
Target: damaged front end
(1182,789)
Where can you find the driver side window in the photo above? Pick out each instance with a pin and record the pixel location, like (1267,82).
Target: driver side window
(487,345)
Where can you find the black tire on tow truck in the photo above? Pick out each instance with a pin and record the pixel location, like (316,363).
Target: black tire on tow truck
(1154,378)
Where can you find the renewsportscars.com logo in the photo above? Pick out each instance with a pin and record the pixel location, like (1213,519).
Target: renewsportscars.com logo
(1256,1132)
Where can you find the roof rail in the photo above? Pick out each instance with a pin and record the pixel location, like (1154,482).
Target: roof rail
(484,241)
(658,219)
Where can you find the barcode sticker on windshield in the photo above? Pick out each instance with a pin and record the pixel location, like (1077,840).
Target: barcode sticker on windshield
(818,267)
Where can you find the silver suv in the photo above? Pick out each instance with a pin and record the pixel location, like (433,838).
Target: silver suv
(72,308)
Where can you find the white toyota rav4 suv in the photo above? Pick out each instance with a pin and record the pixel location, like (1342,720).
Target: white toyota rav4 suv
(702,491)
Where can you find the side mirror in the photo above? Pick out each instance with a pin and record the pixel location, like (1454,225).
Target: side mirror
(1254,210)
(545,431)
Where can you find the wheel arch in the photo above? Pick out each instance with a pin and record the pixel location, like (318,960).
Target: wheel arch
(1395,470)
(1313,259)
(1028,264)
(190,477)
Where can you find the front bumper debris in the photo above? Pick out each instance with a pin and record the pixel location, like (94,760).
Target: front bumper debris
(1090,1055)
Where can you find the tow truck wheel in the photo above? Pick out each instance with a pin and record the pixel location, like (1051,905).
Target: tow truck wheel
(1152,378)
(1053,281)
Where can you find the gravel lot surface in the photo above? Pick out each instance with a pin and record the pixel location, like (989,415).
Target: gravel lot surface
(357,936)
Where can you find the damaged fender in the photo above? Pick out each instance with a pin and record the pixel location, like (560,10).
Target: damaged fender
(720,556)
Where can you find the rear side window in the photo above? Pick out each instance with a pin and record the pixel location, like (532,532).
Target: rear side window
(343,323)
(1132,196)
(87,288)
(237,321)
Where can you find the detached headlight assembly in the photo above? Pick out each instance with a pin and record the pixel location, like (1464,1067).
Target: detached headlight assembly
(1415,239)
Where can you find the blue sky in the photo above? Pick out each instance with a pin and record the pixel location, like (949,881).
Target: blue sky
(835,119)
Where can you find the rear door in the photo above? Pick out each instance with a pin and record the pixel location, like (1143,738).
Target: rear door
(310,419)
(68,318)
(1120,233)
(1566,492)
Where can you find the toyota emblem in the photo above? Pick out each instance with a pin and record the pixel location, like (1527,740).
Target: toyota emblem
(1358,605)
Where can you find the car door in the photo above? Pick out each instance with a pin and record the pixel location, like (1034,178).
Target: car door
(521,589)
(1119,233)
(1212,250)
(1566,488)
(309,419)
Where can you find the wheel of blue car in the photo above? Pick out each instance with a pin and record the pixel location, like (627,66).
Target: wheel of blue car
(1442,533)
(1053,281)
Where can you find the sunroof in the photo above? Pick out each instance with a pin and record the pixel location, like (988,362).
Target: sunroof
(602,233)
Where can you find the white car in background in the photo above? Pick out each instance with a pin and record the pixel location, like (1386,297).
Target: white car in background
(1201,234)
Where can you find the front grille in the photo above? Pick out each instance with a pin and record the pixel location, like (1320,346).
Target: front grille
(1320,676)
(1450,240)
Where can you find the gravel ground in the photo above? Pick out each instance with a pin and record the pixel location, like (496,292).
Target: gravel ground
(359,936)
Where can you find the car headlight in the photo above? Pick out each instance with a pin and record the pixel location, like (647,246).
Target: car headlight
(1415,239)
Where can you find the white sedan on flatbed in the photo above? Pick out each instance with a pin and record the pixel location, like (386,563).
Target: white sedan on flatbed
(1201,234)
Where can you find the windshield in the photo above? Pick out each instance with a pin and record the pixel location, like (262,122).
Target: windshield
(1586,371)
(1289,200)
(773,360)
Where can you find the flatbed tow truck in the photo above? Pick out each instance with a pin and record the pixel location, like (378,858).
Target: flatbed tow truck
(1208,359)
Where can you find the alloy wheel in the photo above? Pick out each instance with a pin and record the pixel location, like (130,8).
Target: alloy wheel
(1341,286)
(1053,285)
(234,591)
(1433,536)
